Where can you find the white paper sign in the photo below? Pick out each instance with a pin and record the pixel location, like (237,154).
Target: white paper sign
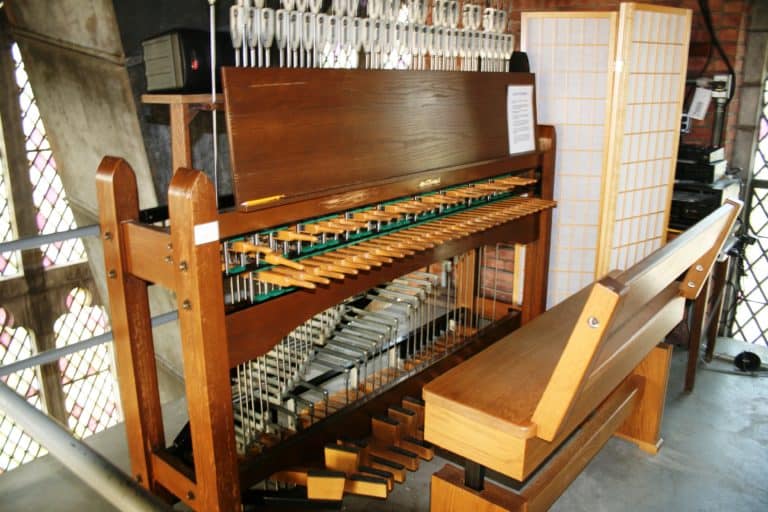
(700,103)
(521,126)
(207,233)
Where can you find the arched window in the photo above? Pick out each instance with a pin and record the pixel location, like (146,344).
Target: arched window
(16,447)
(53,211)
(87,381)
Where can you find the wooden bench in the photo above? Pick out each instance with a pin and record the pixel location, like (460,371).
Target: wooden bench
(539,404)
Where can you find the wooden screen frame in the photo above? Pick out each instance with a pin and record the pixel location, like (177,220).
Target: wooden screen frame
(618,113)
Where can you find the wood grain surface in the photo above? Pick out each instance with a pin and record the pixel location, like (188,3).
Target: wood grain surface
(299,133)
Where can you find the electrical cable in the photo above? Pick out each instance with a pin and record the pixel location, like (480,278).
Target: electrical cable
(707,15)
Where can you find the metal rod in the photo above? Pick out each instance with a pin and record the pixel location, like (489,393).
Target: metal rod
(474,475)
(49,356)
(87,464)
(33,242)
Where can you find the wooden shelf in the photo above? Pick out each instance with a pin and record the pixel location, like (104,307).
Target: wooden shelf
(181,99)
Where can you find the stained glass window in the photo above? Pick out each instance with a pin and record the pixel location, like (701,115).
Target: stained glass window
(10,265)
(751,318)
(16,447)
(89,387)
(53,211)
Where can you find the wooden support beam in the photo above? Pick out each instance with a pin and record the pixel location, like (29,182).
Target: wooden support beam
(200,299)
(130,318)
(570,372)
(643,426)
(148,254)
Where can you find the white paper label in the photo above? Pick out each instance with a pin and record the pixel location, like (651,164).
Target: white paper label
(521,126)
(700,104)
(207,233)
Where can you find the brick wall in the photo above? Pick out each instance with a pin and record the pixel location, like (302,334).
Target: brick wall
(729,18)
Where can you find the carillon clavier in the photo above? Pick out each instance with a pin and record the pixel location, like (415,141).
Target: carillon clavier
(316,251)
(354,268)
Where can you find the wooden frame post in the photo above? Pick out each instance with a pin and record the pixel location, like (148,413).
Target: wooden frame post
(643,426)
(200,298)
(537,253)
(131,320)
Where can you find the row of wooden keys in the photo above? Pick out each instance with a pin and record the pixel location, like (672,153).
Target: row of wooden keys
(368,467)
(351,259)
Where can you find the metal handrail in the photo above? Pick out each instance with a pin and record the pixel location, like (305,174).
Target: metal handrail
(49,356)
(33,242)
(87,464)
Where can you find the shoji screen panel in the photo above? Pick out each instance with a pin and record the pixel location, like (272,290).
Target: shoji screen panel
(648,98)
(571,54)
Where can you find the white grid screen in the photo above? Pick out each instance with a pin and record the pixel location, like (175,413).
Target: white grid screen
(570,53)
(655,65)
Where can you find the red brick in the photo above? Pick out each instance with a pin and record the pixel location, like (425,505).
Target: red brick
(732,20)
(733,6)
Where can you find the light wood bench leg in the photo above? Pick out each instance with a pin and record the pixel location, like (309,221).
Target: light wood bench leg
(449,494)
(643,427)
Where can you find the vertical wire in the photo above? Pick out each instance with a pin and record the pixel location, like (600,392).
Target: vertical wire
(214,124)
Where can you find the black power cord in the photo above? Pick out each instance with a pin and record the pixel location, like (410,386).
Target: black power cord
(707,15)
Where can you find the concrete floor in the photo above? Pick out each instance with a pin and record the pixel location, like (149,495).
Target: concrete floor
(715,457)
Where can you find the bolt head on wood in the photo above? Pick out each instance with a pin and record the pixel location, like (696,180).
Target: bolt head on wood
(108,236)
(691,284)
(186,305)
(593,322)
(112,274)
(190,495)
(699,268)
(183,266)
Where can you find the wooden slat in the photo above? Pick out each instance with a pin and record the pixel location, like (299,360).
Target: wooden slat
(174,479)
(697,275)
(148,254)
(322,131)
(654,273)
(188,99)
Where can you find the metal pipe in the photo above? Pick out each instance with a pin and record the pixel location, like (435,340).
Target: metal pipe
(87,464)
(49,356)
(33,242)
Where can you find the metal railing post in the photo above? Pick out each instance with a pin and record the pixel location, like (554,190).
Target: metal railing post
(87,464)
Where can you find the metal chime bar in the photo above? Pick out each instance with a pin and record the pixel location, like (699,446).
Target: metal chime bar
(357,348)
(467,38)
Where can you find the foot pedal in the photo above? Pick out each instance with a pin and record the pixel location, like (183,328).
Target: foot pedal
(379,473)
(397,469)
(424,450)
(365,485)
(342,458)
(325,484)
